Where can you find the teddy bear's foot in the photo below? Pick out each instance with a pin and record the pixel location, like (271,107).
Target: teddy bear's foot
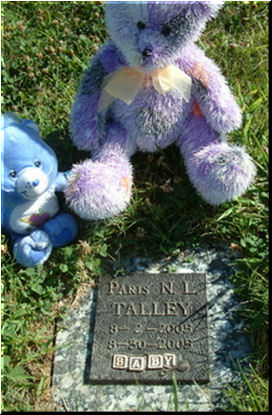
(220,173)
(33,249)
(99,189)
(62,229)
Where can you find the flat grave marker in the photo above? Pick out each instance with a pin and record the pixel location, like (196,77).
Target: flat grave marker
(149,327)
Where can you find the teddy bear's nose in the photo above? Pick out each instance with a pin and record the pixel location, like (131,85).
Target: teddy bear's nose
(35,182)
(147,52)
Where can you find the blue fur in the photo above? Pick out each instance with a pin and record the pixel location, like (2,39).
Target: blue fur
(29,179)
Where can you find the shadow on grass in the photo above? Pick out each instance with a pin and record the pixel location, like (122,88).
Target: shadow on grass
(165,216)
(165,212)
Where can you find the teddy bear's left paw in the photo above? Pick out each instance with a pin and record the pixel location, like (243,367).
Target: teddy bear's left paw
(99,190)
(33,249)
(61,229)
(221,173)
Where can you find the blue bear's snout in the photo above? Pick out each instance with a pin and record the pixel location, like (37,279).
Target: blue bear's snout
(36,182)
(31,183)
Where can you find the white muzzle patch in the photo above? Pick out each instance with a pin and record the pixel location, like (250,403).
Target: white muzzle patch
(31,183)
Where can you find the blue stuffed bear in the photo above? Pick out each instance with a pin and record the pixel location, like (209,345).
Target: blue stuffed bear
(29,205)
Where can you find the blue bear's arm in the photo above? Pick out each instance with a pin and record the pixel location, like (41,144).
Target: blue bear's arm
(6,210)
(62,181)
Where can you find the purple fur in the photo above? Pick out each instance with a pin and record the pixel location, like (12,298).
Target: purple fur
(84,129)
(100,187)
(218,172)
(104,191)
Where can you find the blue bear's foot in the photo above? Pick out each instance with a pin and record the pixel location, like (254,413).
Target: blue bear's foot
(62,229)
(33,249)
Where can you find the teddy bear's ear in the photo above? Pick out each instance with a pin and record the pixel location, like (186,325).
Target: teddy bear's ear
(9,118)
(32,125)
(204,9)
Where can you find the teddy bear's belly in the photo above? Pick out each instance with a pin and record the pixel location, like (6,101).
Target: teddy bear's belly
(152,120)
(32,214)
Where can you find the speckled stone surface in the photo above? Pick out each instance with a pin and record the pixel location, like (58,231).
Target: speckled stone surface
(227,343)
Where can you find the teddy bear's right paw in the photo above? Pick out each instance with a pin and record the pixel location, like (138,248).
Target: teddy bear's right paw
(62,229)
(33,249)
(99,190)
(221,173)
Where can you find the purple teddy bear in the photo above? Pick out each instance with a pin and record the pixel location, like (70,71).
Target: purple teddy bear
(148,87)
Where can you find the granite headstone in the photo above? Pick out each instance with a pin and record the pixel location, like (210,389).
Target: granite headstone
(149,327)
(227,340)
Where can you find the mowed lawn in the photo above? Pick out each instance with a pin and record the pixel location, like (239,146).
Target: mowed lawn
(45,48)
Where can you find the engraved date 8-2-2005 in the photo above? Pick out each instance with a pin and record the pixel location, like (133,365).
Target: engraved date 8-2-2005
(151,325)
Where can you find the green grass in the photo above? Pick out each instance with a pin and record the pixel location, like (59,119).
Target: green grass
(45,48)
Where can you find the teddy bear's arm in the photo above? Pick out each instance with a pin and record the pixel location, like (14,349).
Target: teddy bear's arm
(212,93)
(86,123)
(62,181)
(84,120)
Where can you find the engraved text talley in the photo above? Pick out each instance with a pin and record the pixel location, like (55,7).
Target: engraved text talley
(149,327)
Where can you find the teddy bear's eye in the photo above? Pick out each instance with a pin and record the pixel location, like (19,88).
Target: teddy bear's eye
(37,163)
(166,30)
(141,25)
(12,174)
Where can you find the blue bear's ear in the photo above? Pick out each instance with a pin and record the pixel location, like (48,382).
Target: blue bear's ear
(9,118)
(32,125)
